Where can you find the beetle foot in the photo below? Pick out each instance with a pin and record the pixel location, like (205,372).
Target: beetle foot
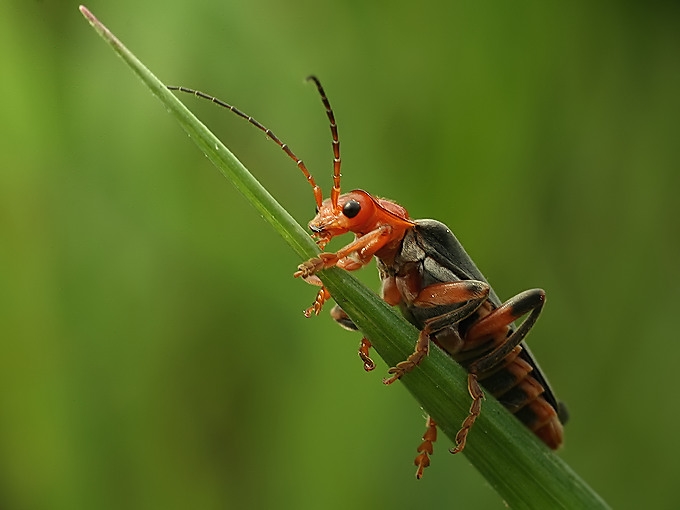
(475,408)
(421,350)
(364,354)
(398,371)
(308,268)
(316,264)
(426,448)
(321,297)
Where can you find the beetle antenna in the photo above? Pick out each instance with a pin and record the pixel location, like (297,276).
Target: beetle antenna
(335,191)
(318,195)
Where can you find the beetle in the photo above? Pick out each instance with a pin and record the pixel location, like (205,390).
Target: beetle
(427,273)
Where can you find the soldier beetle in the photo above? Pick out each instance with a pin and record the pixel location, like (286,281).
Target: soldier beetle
(426,272)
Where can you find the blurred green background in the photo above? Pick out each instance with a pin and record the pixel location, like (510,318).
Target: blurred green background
(154,353)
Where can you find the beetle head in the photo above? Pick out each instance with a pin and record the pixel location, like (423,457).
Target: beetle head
(351,212)
(357,212)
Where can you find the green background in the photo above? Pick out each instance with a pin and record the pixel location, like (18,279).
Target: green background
(153,349)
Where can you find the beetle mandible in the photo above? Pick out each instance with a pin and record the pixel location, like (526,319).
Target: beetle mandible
(426,272)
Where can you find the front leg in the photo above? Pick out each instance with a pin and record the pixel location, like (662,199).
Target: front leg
(312,266)
(350,258)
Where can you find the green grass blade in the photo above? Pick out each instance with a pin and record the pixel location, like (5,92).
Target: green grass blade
(523,471)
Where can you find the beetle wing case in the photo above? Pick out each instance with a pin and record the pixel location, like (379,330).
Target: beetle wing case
(442,245)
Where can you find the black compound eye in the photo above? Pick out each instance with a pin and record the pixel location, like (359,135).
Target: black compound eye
(351,208)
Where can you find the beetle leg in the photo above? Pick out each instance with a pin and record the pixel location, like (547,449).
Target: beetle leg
(475,408)
(453,292)
(426,448)
(525,302)
(351,257)
(321,297)
(364,354)
(312,266)
(514,308)
(471,293)
(421,350)
(339,315)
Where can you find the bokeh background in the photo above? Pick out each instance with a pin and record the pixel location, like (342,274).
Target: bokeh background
(153,350)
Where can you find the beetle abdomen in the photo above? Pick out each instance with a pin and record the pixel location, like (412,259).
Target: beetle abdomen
(431,255)
(518,391)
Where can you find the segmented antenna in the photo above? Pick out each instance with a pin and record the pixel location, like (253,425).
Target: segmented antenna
(335,191)
(318,194)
